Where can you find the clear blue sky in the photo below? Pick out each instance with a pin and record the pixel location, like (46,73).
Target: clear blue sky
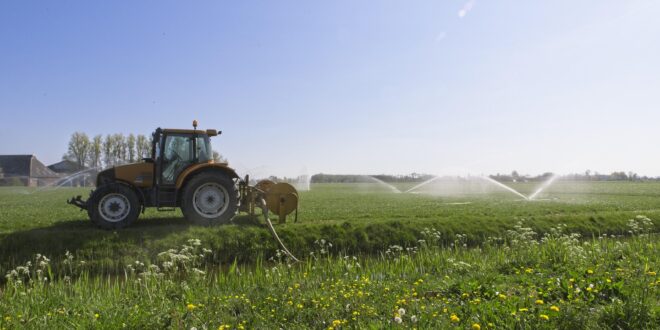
(344,86)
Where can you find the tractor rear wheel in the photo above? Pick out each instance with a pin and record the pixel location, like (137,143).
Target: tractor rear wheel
(210,198)
(113,206)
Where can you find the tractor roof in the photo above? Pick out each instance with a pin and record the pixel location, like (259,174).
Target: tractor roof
(209,132)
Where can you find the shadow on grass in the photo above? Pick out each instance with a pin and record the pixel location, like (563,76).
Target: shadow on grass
(87,242)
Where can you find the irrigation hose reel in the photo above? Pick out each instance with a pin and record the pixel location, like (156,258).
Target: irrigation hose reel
(281,198)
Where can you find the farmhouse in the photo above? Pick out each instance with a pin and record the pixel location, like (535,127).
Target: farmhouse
(25,170)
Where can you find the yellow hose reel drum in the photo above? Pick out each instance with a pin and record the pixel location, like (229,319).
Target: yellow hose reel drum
(264,185)
(281,198)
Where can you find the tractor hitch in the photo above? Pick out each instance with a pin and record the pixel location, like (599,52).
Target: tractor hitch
(77,201)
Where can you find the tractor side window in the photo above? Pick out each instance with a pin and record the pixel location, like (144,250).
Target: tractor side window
(156,152)
(204,152)
(177,155)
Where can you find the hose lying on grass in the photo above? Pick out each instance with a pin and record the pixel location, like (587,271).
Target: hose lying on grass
(264,208)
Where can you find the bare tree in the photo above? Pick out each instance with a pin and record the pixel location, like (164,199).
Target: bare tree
(118,148)
(217,157)
(96,151)
(79,149)
(130,148)
(108,151)
(142,146)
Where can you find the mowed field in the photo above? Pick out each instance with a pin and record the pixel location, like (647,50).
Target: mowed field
(583,255)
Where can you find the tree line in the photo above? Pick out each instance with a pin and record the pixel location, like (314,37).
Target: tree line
(588,175)
(105,151)
(110,150)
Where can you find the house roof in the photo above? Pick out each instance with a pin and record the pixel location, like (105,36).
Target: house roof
(25,165)
(65,166)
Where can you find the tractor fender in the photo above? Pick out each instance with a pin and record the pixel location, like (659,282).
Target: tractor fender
(197,168)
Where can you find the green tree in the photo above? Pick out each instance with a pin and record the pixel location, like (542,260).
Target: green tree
(79,149)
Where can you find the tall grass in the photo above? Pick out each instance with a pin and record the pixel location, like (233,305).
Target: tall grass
(521,279)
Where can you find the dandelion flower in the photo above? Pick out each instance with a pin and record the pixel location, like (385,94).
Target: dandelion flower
(651,273)
(190,307)
(589,271)
(336,323)
(413,319)
(476,326)
(544,317)
(402,311)
(398,320)
(454,318)
(554,308)
(539,302)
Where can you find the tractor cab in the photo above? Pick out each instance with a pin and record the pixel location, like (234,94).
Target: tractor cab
(174,150)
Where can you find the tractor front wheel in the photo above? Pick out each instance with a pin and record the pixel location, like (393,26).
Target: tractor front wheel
(113,206)
(210,199)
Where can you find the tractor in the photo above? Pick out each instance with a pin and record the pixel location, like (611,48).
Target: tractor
(181,173)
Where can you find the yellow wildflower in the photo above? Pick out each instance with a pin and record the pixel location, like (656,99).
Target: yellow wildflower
(454,318)
(589,271)
(554,308)
(97,315)
(336,323)
(650,273)
(539,302)
(544,317)
(476,326)
(523,309)
(190,307)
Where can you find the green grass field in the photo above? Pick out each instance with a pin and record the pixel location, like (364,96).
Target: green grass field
(432,255)
(358,218)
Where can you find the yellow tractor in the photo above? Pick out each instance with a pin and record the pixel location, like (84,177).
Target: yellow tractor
(181,173)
